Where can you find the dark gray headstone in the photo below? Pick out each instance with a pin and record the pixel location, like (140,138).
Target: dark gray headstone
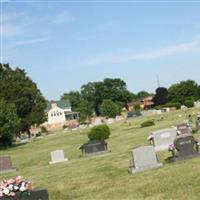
(133,114)
(186,148)
(94,147)
(6,164)
(144,158)
(34,195)
(183,128)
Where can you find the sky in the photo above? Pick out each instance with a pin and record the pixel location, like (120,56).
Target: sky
(65,44)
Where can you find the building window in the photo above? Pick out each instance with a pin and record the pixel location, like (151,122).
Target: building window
(51,114)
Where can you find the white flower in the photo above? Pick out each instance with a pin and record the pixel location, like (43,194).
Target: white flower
(6,191)
(23,187)
(10,187)
(15,187)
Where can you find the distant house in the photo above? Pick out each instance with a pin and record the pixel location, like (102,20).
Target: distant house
(59,113)
(144,103)
(147,102)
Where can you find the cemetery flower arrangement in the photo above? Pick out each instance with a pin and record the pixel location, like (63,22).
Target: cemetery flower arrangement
(12,186)
(172,148)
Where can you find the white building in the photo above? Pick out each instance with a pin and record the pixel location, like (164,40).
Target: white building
(59,113)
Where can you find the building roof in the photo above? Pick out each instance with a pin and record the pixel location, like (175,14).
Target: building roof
(61,104)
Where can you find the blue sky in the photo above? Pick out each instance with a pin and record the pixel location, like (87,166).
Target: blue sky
(64,44)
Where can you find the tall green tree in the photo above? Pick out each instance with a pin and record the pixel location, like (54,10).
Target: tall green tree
(161,96)
(109,108)
(74,97)
(9,123)
(17,88)
(183,91)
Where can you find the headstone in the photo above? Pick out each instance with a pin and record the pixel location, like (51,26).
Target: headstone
(6,165)
(185,146)
(94,147)
(184,108)
(133,114)
(163,138)
(197,104)
(144,158)
(110,121)
(57,156)
(97,121)
(183,128)
(41,194)
(198,125)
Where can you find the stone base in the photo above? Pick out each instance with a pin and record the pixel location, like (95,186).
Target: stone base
(54,162)
(180,158)
(34,195)
(8,171)
(133,170)
(96,153)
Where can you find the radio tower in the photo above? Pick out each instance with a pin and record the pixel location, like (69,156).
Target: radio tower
(158,81)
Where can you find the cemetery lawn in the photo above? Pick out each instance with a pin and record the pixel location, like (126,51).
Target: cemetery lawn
(106,176)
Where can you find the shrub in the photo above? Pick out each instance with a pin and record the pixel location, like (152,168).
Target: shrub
(189,103)
(64,126)
(147,123)
(44,130)
(172,104)
(99,132)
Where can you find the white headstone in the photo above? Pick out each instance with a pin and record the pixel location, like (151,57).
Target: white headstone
(110,121)
(163,138)
(144,158)
(57,156)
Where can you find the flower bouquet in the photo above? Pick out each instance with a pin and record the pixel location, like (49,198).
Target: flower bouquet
(11,187)
(172,148)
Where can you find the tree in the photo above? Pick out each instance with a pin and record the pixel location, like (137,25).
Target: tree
(17,88)
(113,89)
(74,97)
(185,90)
(161,96)
(142,94)
(109,108)
(9,123)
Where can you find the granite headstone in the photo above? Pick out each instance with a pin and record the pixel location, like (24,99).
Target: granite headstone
(6,165)
(41,194)
(144,158)
(57,156)
(186,147)
(163,138)
(183,128)
(94,147)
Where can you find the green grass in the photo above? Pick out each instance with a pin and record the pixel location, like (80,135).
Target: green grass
(106,176)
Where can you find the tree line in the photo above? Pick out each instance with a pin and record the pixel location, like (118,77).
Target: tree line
(22,103)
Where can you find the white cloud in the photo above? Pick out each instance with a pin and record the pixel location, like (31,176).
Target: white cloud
(153,54)
(31,41)
(63,18)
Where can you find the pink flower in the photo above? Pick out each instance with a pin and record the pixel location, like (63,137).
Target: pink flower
(10,181)
(1,194)
(19,179)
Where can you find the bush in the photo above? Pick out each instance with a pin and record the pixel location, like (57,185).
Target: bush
(174,104)
(189,103)
(44,130)
(169,105)
(147,123)
(99,132)
(64,126)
